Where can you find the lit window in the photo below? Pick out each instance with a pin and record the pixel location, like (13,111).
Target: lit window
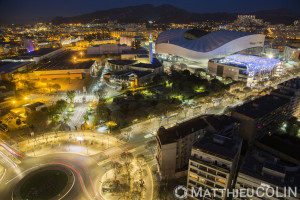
(221,180)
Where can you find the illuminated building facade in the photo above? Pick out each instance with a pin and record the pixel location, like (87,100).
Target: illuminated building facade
(213,164)
(245,68)
(203,46)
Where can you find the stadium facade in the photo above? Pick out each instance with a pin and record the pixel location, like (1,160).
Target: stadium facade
(205,46)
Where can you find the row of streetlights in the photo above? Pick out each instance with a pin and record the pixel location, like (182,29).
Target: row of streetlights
(14,101)
(74,58)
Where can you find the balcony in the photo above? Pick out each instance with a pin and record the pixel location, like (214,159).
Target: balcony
(211,165)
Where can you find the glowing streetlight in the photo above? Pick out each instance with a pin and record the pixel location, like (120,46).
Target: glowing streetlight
(74,58)
(270,55)
(81,54)
(14,102)
(25,98)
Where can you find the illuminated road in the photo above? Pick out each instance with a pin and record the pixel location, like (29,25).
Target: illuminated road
(84,168)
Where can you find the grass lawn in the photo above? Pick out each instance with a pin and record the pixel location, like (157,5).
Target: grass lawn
(44,185)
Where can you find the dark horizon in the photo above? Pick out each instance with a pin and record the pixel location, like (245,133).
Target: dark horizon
(32,11)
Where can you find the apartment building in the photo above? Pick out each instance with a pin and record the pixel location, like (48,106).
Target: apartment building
(290,89)
(258,116)
(212,165)
(174,146)
(268,176)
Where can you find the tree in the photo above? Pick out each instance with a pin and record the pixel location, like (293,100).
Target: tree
(86,118)
(101,93)
(103,112)
(157,79)
(56,87)
(151,146)
(141,160)
(128,93)
(117,167)
(71,95)
(126,158)
(38,120)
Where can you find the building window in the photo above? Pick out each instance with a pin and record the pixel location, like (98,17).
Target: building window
(221,174)
(193,176)
(211,171)
(221,180)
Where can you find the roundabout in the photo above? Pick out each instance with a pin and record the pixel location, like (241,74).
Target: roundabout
(50,182)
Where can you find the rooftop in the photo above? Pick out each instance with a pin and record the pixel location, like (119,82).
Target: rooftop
(250,63)
(172,134)
(135,51)
(66,65)
(40,52)
(262,106)
(153,65)
(205,43)
(270,169)
(6,67)
(121,62)
(293,83)
(219,145)
(221,123)
(132,72)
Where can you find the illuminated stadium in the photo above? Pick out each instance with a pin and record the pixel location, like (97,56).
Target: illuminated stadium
(200,46)
(244,67)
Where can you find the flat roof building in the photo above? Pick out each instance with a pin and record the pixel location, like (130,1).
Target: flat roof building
(290,89)
(65,69)
(258,116)
(8,68)
(37,55)
(245,68)
(212,165)
(174,146)
(263,170)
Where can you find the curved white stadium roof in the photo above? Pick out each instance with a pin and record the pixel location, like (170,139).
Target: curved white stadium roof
(211,45)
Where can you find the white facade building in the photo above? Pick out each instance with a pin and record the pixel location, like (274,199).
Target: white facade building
(210,45)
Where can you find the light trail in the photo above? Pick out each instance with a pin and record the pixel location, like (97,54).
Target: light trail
(11,150)
(86,171)
(80,178)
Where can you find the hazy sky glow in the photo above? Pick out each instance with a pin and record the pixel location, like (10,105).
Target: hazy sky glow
(21,10)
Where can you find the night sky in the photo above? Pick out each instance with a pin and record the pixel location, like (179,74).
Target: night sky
(20,11)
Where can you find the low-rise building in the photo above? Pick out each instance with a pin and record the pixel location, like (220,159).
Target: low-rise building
(134,54)
(268,177)
(8,68)
(132,73)
(247,68)
(107,48)
(37,56)
(213,165)
(174,146)
(37,106)
(66,70)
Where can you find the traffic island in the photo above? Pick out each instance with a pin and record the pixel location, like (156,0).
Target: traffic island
(48,183)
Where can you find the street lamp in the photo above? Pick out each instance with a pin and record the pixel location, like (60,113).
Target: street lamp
(81,54)
(74,59)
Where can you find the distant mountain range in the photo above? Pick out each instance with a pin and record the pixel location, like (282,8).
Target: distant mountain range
(171,14)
